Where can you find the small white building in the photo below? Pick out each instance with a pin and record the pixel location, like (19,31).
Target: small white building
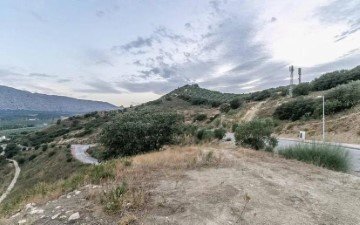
(2,138)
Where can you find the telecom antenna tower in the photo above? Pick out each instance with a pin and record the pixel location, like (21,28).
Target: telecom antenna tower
(299,72)
(291,69)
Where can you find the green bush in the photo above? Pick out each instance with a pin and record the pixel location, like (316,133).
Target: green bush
(301,89)
(200,117)
(44,147)
(235,103)
(333,79)
(33,156)
(205,135)
(323,155)
(234,126)
(296,109)
(256,134)
(225,108)
(219,133)
(52,153)
(11,150)
(139,132)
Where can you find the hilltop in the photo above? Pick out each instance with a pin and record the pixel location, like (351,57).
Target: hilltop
(14,99)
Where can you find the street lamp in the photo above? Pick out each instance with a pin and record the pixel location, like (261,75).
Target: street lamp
(323,98)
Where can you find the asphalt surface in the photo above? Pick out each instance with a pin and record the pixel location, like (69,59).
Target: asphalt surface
(353,149)
(79,153)
(13,182)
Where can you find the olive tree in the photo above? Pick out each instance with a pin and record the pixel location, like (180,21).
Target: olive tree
(138,132)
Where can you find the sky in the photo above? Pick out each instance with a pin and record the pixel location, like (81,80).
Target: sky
(133,51)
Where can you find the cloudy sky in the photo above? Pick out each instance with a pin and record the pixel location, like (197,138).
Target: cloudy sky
(133,51)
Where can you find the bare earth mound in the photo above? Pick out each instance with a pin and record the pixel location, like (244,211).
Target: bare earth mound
(238,187)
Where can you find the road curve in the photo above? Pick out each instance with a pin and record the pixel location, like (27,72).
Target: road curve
(13,182)
(79,153)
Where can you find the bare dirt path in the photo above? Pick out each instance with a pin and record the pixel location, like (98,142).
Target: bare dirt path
(251,113)
(13,182)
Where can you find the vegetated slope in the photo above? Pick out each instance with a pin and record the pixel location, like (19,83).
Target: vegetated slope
(41,166)
(13,99)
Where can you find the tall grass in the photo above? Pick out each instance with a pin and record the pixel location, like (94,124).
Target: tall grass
(323,155)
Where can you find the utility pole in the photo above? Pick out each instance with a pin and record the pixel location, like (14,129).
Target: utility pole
(291,69)
(299,72)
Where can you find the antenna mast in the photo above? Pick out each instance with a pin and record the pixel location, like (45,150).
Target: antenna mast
(299,72)
(291,69)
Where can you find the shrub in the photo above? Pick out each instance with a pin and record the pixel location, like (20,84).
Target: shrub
(139,132)
(52,153)
(200,117)
(256,134)
(44,147)
(296,109)
(215,104)
(301,89)
(21,160)
(11,150)
(225,108)
(333,79)
(234,126)
(235,103)
(219,133)
(260,95)
(205,135)
(323,155)
(33,156)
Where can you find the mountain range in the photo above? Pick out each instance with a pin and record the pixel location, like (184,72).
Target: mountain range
(14,99)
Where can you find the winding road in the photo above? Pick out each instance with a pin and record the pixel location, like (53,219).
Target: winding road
(13,182)
(79,153)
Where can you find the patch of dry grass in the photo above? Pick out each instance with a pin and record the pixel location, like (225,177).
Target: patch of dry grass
(139,173)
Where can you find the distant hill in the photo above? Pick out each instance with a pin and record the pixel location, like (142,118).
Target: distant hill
(14,99)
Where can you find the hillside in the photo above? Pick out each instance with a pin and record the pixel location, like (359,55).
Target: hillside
(14,99)
(133,180)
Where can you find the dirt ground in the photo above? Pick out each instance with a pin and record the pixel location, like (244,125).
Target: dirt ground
(244,187)
(277,191)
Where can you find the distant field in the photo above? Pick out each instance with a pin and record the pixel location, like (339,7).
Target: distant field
(19,130)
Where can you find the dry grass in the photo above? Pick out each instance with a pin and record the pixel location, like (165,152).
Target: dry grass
(126,182)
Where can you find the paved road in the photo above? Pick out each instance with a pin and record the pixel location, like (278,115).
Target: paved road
(79,153)
(13,182)
(353,149)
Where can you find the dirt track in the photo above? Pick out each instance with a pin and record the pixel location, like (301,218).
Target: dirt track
(13,182)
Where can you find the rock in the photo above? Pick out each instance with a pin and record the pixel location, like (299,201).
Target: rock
(29,206)
(77,192)
(74,216)
(36,211)
(22,222)
(16,215)
(55,216)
